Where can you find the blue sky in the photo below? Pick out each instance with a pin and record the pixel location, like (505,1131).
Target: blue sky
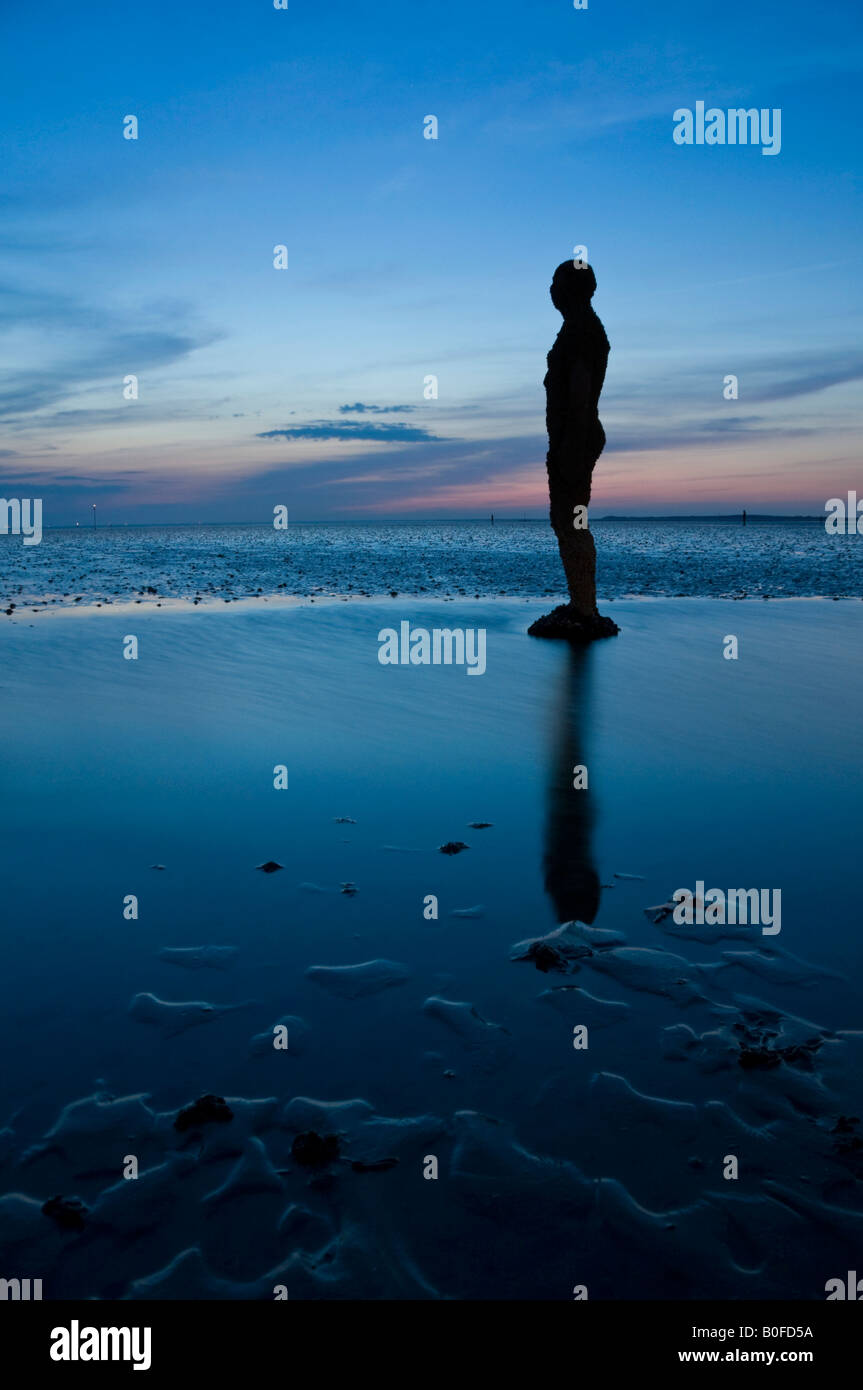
(409,257)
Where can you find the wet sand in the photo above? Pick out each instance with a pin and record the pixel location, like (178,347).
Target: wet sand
(412,1037)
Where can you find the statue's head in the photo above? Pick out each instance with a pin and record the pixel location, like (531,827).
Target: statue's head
(572,287)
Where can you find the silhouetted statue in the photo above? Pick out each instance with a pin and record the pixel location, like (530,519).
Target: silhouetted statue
(576,372)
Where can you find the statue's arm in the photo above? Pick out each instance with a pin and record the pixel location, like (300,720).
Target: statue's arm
(581,394)
(599,380)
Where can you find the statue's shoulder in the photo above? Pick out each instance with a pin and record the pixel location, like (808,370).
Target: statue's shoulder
(579,341)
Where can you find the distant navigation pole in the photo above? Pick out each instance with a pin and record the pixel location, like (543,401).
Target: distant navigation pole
(94,513)
(492,518)
(744,516)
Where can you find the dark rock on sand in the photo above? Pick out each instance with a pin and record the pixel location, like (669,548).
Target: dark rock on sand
(758,1058)
(312,1150)
(559,950)
(546,957)
(226,1140)
(564,622)
(269,867)
(67,1212)
(453,847)
(846,1124)
(760,1052)
(381,1166)
(208,1109)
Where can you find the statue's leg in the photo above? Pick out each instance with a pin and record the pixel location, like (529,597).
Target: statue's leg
(569,483)
(574,541)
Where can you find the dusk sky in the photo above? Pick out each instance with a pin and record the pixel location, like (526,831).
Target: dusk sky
(410,257)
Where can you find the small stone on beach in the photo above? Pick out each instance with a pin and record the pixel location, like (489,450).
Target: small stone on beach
(208,1109)
(67,1212)
(313,1150)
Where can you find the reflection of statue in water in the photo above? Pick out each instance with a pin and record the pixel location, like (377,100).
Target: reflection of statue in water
(576,372)
(571,880)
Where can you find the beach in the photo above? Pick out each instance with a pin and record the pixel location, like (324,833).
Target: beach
(557,1167)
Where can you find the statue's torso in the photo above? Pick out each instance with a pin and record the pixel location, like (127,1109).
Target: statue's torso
(576,372)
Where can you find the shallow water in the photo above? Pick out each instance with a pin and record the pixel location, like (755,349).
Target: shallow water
(780,557)
(737,773)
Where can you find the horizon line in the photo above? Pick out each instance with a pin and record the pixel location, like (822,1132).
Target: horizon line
(449,520)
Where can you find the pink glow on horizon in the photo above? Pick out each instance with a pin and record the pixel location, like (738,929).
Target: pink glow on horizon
(638,484)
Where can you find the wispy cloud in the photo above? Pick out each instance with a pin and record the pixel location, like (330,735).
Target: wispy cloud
(815,372)
(23,393)
(359,408)
(99,344)
(352,429)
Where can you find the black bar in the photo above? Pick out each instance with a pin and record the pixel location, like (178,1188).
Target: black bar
(401,1338)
